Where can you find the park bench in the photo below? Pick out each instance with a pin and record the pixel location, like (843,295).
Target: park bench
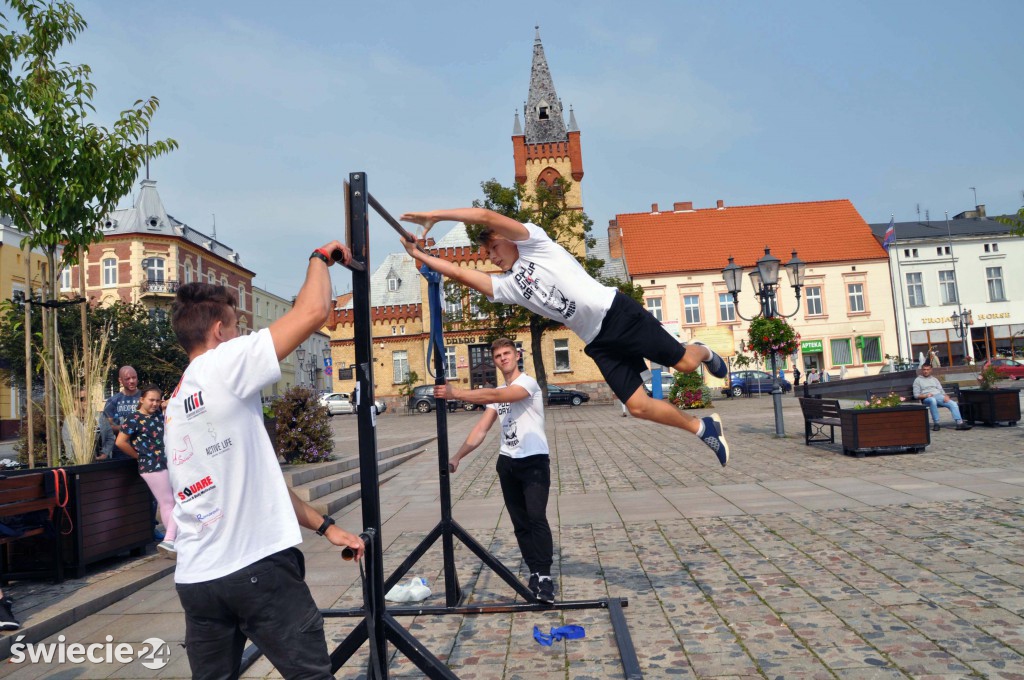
(907,392)
(27,505)
(819,414)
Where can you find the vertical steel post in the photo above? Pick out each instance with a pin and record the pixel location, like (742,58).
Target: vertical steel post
(366,418)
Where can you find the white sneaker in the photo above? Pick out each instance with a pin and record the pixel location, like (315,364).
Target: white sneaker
(166,548)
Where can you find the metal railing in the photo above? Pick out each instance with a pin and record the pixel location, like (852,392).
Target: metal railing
(154,286)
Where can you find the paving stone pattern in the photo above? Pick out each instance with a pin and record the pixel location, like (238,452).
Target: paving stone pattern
(793,562)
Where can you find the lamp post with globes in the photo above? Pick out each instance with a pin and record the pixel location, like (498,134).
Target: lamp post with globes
(962,323)
(765,279)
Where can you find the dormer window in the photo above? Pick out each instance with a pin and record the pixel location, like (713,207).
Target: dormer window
(109,224)
(542,113)
(393,283)
(153,222)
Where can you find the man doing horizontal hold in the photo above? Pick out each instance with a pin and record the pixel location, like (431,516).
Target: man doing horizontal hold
(540,275)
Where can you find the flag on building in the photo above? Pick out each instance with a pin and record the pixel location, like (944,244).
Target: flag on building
(890,234)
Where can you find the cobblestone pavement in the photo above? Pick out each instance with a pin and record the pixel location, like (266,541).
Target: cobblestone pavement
(793,562)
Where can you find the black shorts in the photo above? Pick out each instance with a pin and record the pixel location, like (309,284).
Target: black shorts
(629,334)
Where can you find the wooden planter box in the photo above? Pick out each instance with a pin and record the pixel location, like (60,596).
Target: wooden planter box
(110,510)
(885,430)
(991,406)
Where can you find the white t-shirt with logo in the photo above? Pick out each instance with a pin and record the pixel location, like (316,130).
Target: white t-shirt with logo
(522,422)
(231,502)
(548,280)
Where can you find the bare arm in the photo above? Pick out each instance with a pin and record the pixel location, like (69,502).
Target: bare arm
(482,396)
(311,519)
(311,309)
(125,445)
(502,226)
(475,279)
(474,439)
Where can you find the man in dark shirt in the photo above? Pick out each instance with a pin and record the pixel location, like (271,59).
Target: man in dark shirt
(121,405)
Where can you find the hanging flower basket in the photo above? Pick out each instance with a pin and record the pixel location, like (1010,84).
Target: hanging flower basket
(772,336)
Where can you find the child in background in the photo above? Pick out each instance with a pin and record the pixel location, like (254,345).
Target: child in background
(142,437)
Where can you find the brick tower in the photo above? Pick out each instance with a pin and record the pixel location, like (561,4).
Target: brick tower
(548,149)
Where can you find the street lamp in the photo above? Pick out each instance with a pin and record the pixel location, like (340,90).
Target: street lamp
(765,281)
(962,323)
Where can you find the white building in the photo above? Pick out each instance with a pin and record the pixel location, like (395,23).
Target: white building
(310,369)
(968,263)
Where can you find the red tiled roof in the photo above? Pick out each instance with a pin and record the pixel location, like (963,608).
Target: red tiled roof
(820,231)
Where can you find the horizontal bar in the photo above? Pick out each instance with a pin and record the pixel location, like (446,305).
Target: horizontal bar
(511,607)
(627,652)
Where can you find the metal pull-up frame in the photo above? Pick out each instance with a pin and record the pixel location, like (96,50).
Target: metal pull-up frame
(379,624)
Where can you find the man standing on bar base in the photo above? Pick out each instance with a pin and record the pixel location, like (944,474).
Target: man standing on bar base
(546,279)
(238,574)
(524,468)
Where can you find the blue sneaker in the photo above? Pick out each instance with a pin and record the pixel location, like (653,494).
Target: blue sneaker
(715,363)
(714,438)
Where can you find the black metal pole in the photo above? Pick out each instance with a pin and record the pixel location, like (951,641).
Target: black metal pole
(366,418)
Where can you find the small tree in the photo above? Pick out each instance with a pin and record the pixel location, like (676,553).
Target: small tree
(303,427)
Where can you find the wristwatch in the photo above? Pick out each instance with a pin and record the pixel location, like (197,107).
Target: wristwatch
(318,253)
(328,522)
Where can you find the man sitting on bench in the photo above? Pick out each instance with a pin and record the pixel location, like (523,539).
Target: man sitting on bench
(929,390)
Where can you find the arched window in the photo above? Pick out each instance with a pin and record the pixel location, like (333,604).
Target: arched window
(241,296)
(211,278)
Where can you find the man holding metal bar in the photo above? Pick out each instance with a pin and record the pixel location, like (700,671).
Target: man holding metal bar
(540,275)
(238,573)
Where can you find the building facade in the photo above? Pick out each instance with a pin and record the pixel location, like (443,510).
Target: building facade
(845,316)
(967,263)
(18,269)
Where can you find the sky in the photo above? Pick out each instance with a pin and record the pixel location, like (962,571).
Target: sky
(892,104)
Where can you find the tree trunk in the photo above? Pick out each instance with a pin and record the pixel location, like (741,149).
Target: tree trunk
(536,333)
(30,438)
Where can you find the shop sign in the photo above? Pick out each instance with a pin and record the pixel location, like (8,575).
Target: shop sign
(811,346)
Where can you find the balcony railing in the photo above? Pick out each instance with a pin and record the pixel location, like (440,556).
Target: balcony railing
(160,287)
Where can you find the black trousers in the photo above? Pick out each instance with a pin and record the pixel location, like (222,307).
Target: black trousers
(525,483)
(267,602)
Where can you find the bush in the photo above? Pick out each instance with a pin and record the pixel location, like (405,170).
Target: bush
(689,391)
(303,427)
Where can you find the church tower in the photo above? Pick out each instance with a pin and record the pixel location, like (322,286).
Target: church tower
(548,149)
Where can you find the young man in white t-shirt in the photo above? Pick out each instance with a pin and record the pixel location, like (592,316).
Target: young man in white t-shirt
(540,275)
(238,574)
(523,465)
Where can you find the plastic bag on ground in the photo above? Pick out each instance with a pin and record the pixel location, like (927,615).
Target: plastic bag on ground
(414,590)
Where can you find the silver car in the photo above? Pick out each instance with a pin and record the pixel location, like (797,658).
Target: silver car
(337,403)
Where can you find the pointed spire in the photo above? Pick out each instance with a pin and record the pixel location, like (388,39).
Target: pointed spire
(517,129)
(543,113)
(573,127)
(536,35)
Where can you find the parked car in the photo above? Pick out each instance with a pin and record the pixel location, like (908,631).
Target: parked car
(559,395)
(337,403)
(1007,368)
(743,382)
(422,401)
(667,381)
(381,405)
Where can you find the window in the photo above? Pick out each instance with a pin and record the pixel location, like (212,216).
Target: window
(394,330)
(855,292)
(543,113)
(691,308)
(562,355)
(155,269)
(654,307)
(187,272)
(947,286)
(871,350)
(813,300)
(474,307)
(393,283)
(841,352)
(241,296)
(110,271)
(994,275)
(915,289)
(211,278)
(65,278)
(224,281)
(942,250)
(726,307)
(158,315)
(400,363)
(449,361)
(453,303)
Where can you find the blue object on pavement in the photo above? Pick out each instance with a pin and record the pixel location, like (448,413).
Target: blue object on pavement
(558,634)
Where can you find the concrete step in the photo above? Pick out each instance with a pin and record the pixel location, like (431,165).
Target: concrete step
(332,503)
(298,475)
(349,475)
